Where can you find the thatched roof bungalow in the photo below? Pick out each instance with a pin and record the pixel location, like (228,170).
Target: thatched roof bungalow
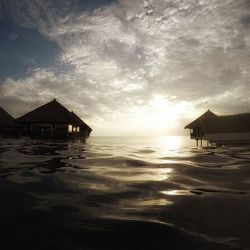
(52,120)
(228,129)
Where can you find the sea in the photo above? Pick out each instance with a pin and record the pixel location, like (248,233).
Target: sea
(123,193)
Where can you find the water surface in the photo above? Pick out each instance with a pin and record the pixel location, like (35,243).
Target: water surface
(124,193)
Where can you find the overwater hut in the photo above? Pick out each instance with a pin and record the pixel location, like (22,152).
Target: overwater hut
(228,129)
(53,120)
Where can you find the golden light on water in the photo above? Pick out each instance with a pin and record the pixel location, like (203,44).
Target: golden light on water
(154,202)
(142,174)
(175,192)
(163,174)
(171,142)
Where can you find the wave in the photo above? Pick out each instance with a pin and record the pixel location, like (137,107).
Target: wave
(122,195)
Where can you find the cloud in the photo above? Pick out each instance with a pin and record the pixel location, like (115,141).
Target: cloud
(193,54)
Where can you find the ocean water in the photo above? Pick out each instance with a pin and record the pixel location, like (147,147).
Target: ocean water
(123,193)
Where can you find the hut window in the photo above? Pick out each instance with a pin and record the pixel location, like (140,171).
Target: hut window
(74,129)
(70,128)
(78,129)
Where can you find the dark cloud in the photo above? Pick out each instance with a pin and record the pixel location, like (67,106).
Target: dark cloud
(27,11)
(245,20)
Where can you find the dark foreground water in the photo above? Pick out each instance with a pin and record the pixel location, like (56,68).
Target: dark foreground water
(123,193)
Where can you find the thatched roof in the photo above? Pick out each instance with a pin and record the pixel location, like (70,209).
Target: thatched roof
(228,124)
(52,112)
(5,118)
(201,120)
(211,123)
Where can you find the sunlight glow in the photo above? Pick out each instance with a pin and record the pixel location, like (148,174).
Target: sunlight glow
(161,115)
(175,192)
(163,174)
(131,174)
(171,142)
(154,202)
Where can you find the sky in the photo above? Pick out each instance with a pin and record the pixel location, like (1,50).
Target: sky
(126,67)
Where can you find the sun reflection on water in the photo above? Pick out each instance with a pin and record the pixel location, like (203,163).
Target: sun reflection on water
(174,147)
(171,142)
(175,192)
(133,175)
(153,202)
(163,174)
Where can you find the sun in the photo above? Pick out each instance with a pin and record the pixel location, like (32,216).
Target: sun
(160,116)
(164,113)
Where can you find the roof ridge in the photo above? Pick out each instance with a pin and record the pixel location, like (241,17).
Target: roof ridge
(34,110)
(201,117)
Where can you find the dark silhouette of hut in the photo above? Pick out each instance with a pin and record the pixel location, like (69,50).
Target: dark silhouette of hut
(7,126)
(227,129)
(197,127)
(52,120)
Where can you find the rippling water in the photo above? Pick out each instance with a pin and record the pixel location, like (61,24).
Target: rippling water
(123,193)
